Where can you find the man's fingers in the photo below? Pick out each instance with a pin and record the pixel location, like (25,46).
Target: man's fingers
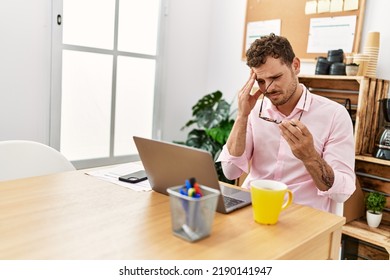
(256,93)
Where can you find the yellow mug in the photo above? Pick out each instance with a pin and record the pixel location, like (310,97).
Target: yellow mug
(268,200)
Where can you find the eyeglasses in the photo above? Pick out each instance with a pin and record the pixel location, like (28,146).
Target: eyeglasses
(276,121)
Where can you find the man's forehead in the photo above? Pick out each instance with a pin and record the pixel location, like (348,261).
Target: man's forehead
(269,71)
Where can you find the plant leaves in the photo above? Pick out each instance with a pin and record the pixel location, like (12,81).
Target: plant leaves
(221,132)
(212,116)
(207,101)
(209,111)
(375,201)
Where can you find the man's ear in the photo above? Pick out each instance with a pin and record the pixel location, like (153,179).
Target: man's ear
(296,65)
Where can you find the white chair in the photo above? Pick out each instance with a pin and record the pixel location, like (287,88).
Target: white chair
(21,159)
(337,208)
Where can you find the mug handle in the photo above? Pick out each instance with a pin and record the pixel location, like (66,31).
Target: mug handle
(289,200)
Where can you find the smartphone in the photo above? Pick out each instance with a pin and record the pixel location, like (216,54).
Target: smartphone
(134,177)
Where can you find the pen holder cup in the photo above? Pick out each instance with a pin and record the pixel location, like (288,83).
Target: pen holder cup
(191,217)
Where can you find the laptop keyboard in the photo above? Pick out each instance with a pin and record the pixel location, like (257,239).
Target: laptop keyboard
(230,201)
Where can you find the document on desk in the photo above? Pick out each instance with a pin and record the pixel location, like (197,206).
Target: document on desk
(111,174)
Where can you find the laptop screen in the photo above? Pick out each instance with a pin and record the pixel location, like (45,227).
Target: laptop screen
(168,164)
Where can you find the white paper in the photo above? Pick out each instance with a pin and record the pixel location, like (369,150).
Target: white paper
(331,33)
(256,29)
(311,7)
(350,5)
(111,174)
(336,5)
(323,6)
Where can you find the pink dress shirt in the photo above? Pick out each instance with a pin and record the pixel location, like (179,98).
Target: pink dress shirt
(271,157)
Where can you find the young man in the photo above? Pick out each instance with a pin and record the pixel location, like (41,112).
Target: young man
(290,135)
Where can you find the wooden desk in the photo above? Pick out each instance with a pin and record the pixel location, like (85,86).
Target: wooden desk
(74,216)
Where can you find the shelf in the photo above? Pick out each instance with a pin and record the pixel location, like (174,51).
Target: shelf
(360,230)
(332,77)
(372,173)
(373,160)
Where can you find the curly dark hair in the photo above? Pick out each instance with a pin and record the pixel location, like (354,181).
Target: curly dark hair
(272,45)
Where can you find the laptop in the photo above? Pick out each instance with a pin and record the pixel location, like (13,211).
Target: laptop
(168,164)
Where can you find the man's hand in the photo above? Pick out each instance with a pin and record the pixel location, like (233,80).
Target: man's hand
(246,101)
(298,138)
(301,143)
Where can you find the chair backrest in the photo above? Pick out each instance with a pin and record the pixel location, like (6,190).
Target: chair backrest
(337,208)
(20,159)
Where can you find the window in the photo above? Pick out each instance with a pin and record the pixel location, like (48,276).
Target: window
(103,78)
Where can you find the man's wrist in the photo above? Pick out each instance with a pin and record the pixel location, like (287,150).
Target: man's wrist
(321,172)
(242,119)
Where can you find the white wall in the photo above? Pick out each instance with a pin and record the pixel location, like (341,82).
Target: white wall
(377,19)
(202,53)
(226,70)
(186,48)
(25,69)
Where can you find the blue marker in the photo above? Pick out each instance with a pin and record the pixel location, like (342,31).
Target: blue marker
(183,191)
(188,184)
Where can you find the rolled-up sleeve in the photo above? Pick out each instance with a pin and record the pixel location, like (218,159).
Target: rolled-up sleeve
(340,155)
(232,166)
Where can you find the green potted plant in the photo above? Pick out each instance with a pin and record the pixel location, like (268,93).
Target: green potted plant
(375,203)
(211,124)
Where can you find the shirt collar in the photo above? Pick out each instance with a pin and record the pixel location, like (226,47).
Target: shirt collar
(301,103)
(268,104)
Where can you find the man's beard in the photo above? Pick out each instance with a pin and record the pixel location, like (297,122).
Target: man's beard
(286,97)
